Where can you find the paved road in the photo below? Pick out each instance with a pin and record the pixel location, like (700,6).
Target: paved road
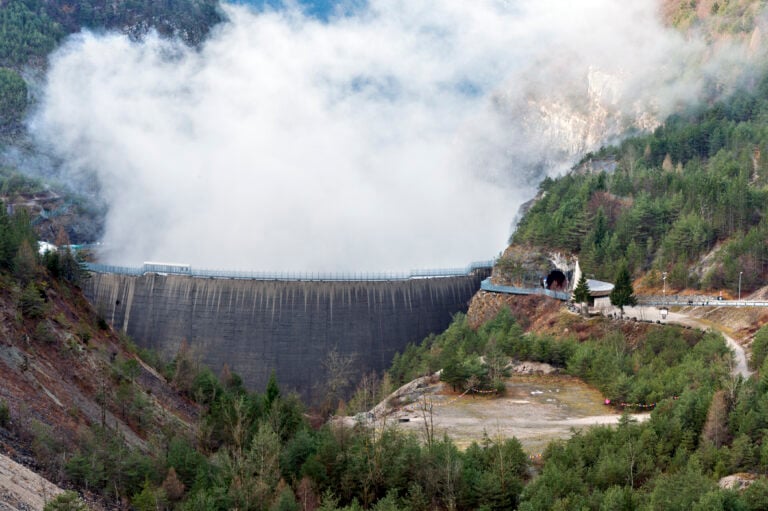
(675,318)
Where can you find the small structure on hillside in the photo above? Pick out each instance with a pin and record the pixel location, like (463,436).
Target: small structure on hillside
(599,291)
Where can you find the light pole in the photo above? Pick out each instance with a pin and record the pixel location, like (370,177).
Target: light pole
(664,278)
(740,284)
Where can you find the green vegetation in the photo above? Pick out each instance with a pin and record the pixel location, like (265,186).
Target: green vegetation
(67,501)
(759,348)
(188,19)
(623,294)
(27,32)
(696,434)
(661,364)
(13,183)
(31,29)
(256,451)
(5,415)
(696,183)
(581,292)
(13,96)
(723,17)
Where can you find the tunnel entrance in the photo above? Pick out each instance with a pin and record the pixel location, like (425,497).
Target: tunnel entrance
(556,280)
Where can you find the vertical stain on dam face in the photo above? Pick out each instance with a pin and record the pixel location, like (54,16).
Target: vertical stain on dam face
(258,326)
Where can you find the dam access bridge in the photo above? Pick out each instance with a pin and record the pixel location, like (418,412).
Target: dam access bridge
(257,322)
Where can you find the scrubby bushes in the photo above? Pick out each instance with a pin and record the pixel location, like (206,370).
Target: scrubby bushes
(661,364)
(5,414)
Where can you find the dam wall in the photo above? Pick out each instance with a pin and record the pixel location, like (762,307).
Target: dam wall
(257,326)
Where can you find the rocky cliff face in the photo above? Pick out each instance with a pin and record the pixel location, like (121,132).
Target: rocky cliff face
(61,374)
(255,327)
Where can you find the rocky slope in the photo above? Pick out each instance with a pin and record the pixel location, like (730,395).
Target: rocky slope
(23,489)
(63,372)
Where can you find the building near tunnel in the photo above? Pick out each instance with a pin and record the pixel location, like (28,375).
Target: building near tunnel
(599,291)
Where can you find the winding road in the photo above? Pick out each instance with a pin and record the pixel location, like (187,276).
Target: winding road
(648,313)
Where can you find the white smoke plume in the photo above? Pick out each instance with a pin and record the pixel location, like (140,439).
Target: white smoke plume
(403,136)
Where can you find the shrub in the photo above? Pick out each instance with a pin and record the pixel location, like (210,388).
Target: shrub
(759,348)
(44,333)
(32,304)
(67,501)
(5,414)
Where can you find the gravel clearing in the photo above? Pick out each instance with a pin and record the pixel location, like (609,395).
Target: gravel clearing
(536,410)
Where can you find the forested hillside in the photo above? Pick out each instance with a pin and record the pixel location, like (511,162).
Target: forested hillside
(31,29)
(695,187)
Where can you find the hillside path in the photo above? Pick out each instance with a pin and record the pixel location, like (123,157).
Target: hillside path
(648,313)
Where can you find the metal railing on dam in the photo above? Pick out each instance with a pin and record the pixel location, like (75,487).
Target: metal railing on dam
(486,285)
(696,301)
(291,276)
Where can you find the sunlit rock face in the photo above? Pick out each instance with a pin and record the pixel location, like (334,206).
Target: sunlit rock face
(577,114)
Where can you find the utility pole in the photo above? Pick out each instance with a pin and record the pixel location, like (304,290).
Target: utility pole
(740,284)
(664,278)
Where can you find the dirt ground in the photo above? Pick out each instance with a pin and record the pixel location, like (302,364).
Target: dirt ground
(535,409)
(22,489)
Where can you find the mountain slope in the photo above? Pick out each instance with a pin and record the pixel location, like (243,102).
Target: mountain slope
(689,199)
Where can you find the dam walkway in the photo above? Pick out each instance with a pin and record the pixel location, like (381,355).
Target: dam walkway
(486,285)
(185,269)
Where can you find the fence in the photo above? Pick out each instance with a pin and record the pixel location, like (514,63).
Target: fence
(486,285)
(291,276)
(697,301)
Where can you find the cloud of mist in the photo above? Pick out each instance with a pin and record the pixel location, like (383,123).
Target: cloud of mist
(403,136)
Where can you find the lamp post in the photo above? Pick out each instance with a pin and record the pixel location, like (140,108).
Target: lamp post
(664,278)
(740,284)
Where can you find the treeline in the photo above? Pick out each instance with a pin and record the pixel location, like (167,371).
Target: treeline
(30,29)
(696,183)
(672,462)
(255,451)
(189,20)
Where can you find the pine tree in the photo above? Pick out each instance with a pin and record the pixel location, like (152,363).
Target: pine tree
(272,392)
(623,292)
(581,291)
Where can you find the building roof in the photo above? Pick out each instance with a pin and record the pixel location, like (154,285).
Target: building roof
(599,288)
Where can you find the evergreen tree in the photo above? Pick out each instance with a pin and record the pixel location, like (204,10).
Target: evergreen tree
(272,392)
(581,291)
(623,293)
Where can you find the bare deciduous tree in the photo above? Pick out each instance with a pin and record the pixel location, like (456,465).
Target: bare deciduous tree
(339,371)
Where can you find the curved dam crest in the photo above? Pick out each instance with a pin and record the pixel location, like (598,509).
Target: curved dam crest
(256,326)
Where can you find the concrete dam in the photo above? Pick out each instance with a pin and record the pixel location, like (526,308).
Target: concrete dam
(256,326)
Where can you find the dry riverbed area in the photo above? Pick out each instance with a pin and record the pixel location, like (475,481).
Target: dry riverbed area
(535,409)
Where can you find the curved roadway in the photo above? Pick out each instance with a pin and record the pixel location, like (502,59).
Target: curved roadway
(653,314)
